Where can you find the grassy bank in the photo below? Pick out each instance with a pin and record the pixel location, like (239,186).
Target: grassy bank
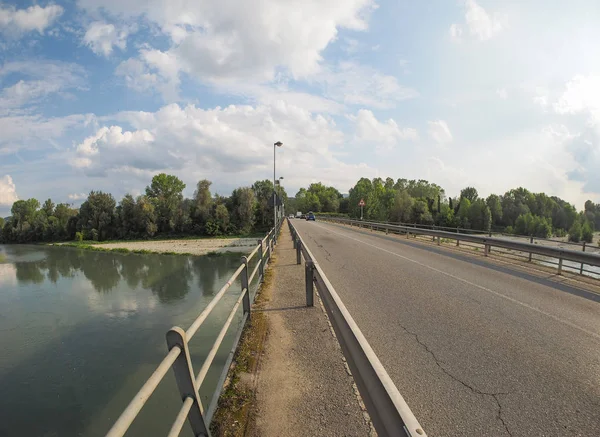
(233,416)
(99,248)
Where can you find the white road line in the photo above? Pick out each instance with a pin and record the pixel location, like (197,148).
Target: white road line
(496,293)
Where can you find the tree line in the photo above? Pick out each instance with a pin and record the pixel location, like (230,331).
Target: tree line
(161,211)
(517,211)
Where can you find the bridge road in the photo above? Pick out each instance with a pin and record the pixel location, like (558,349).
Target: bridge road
(475,351)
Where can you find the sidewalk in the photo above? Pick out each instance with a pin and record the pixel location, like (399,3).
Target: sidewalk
(303,386)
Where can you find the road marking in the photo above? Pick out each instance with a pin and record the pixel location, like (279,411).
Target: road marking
(513,300)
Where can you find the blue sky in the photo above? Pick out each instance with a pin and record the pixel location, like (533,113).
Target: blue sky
(103,94)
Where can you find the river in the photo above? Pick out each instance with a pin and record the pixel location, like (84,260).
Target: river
(80,332)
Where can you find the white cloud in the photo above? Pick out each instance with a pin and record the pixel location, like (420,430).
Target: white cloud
(456,31)
(32,131)
(439,131)
(355,84)
(501,92)
(480,24)
(77,196)
(39,80)
(15,21)
(384,134)
(152,70)
(230,146)
(581,94)
(102,37)
(8,191)
(217,41)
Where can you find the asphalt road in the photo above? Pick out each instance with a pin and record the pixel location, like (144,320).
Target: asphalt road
(474,350)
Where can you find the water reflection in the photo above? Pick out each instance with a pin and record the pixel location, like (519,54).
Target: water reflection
(82,330)
(167,276)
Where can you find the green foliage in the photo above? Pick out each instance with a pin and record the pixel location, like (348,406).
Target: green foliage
(532,225)
(1,223)
(165,193)
(587,233)
(479,215)
(575,232)
(470,194)
(78,236)
(97,213)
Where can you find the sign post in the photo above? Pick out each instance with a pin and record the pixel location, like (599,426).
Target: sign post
(361,204)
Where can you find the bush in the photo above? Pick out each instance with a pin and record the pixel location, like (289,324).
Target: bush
(560,232)
(509,230)
(587,234)
(94,235)
(575,233)
(78,236)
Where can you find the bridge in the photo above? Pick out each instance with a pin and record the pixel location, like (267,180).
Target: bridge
(440,338)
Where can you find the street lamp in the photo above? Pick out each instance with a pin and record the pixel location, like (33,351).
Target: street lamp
(279,194)
(275,145)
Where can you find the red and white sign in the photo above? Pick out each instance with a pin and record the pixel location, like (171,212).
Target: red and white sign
(361,203)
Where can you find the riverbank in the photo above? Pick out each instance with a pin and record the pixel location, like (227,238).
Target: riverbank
(200,246)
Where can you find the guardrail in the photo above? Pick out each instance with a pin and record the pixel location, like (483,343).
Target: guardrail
(561,254)
(389,411)
(178,357)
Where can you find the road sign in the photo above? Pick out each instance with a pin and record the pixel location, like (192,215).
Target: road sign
(361,203)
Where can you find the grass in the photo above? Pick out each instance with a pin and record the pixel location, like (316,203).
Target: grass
(232,417)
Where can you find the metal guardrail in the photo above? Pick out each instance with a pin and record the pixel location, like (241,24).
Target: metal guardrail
(389,411)
(559,253)
(178,357)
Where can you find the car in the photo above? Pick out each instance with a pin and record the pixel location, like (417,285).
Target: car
(310,216)
(291,216)
(303,216)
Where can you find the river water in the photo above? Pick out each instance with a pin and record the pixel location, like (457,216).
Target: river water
(81,331)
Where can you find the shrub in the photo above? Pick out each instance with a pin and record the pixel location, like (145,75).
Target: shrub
(587,234)
(575,233)
(78,236)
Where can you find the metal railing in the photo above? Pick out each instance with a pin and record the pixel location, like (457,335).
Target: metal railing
(178,358)
(389,411)
(559,253)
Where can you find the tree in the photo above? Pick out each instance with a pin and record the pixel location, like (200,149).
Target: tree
(462,214)
(1,223)
(97,216)
(495,205)
(470,194)
(165,192)
(203,203)
(48,208)
(242,208)
(402,209)
(587,233)
(263,193)
(480,215)
(23,212)
(420,213)
(575,232)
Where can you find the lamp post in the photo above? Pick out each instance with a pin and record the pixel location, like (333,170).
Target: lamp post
(278,181)
(275,145)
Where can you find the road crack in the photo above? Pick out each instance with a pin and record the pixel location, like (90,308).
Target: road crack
(475,390)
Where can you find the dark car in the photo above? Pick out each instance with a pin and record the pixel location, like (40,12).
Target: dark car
(310,216)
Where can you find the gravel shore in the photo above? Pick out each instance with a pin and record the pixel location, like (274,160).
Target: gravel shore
(195,247)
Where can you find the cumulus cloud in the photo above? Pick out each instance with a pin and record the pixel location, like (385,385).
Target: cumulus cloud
(581,94)
(15,22)
(501,92)
(479,22)
(384,134)
(102,37)
(231,145)
(8,191)
(216,41)
(439,131)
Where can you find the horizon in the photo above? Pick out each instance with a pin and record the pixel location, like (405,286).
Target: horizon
(102,95)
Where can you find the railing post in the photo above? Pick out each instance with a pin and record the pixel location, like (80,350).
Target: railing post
(486,249)
(581,268)
(309,275)
(261,265)
(298,251)
(245,285)
(560,261)
(438,238)
(186,382)
(530,242)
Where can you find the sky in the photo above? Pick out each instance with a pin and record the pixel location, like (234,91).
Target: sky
(104,94)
